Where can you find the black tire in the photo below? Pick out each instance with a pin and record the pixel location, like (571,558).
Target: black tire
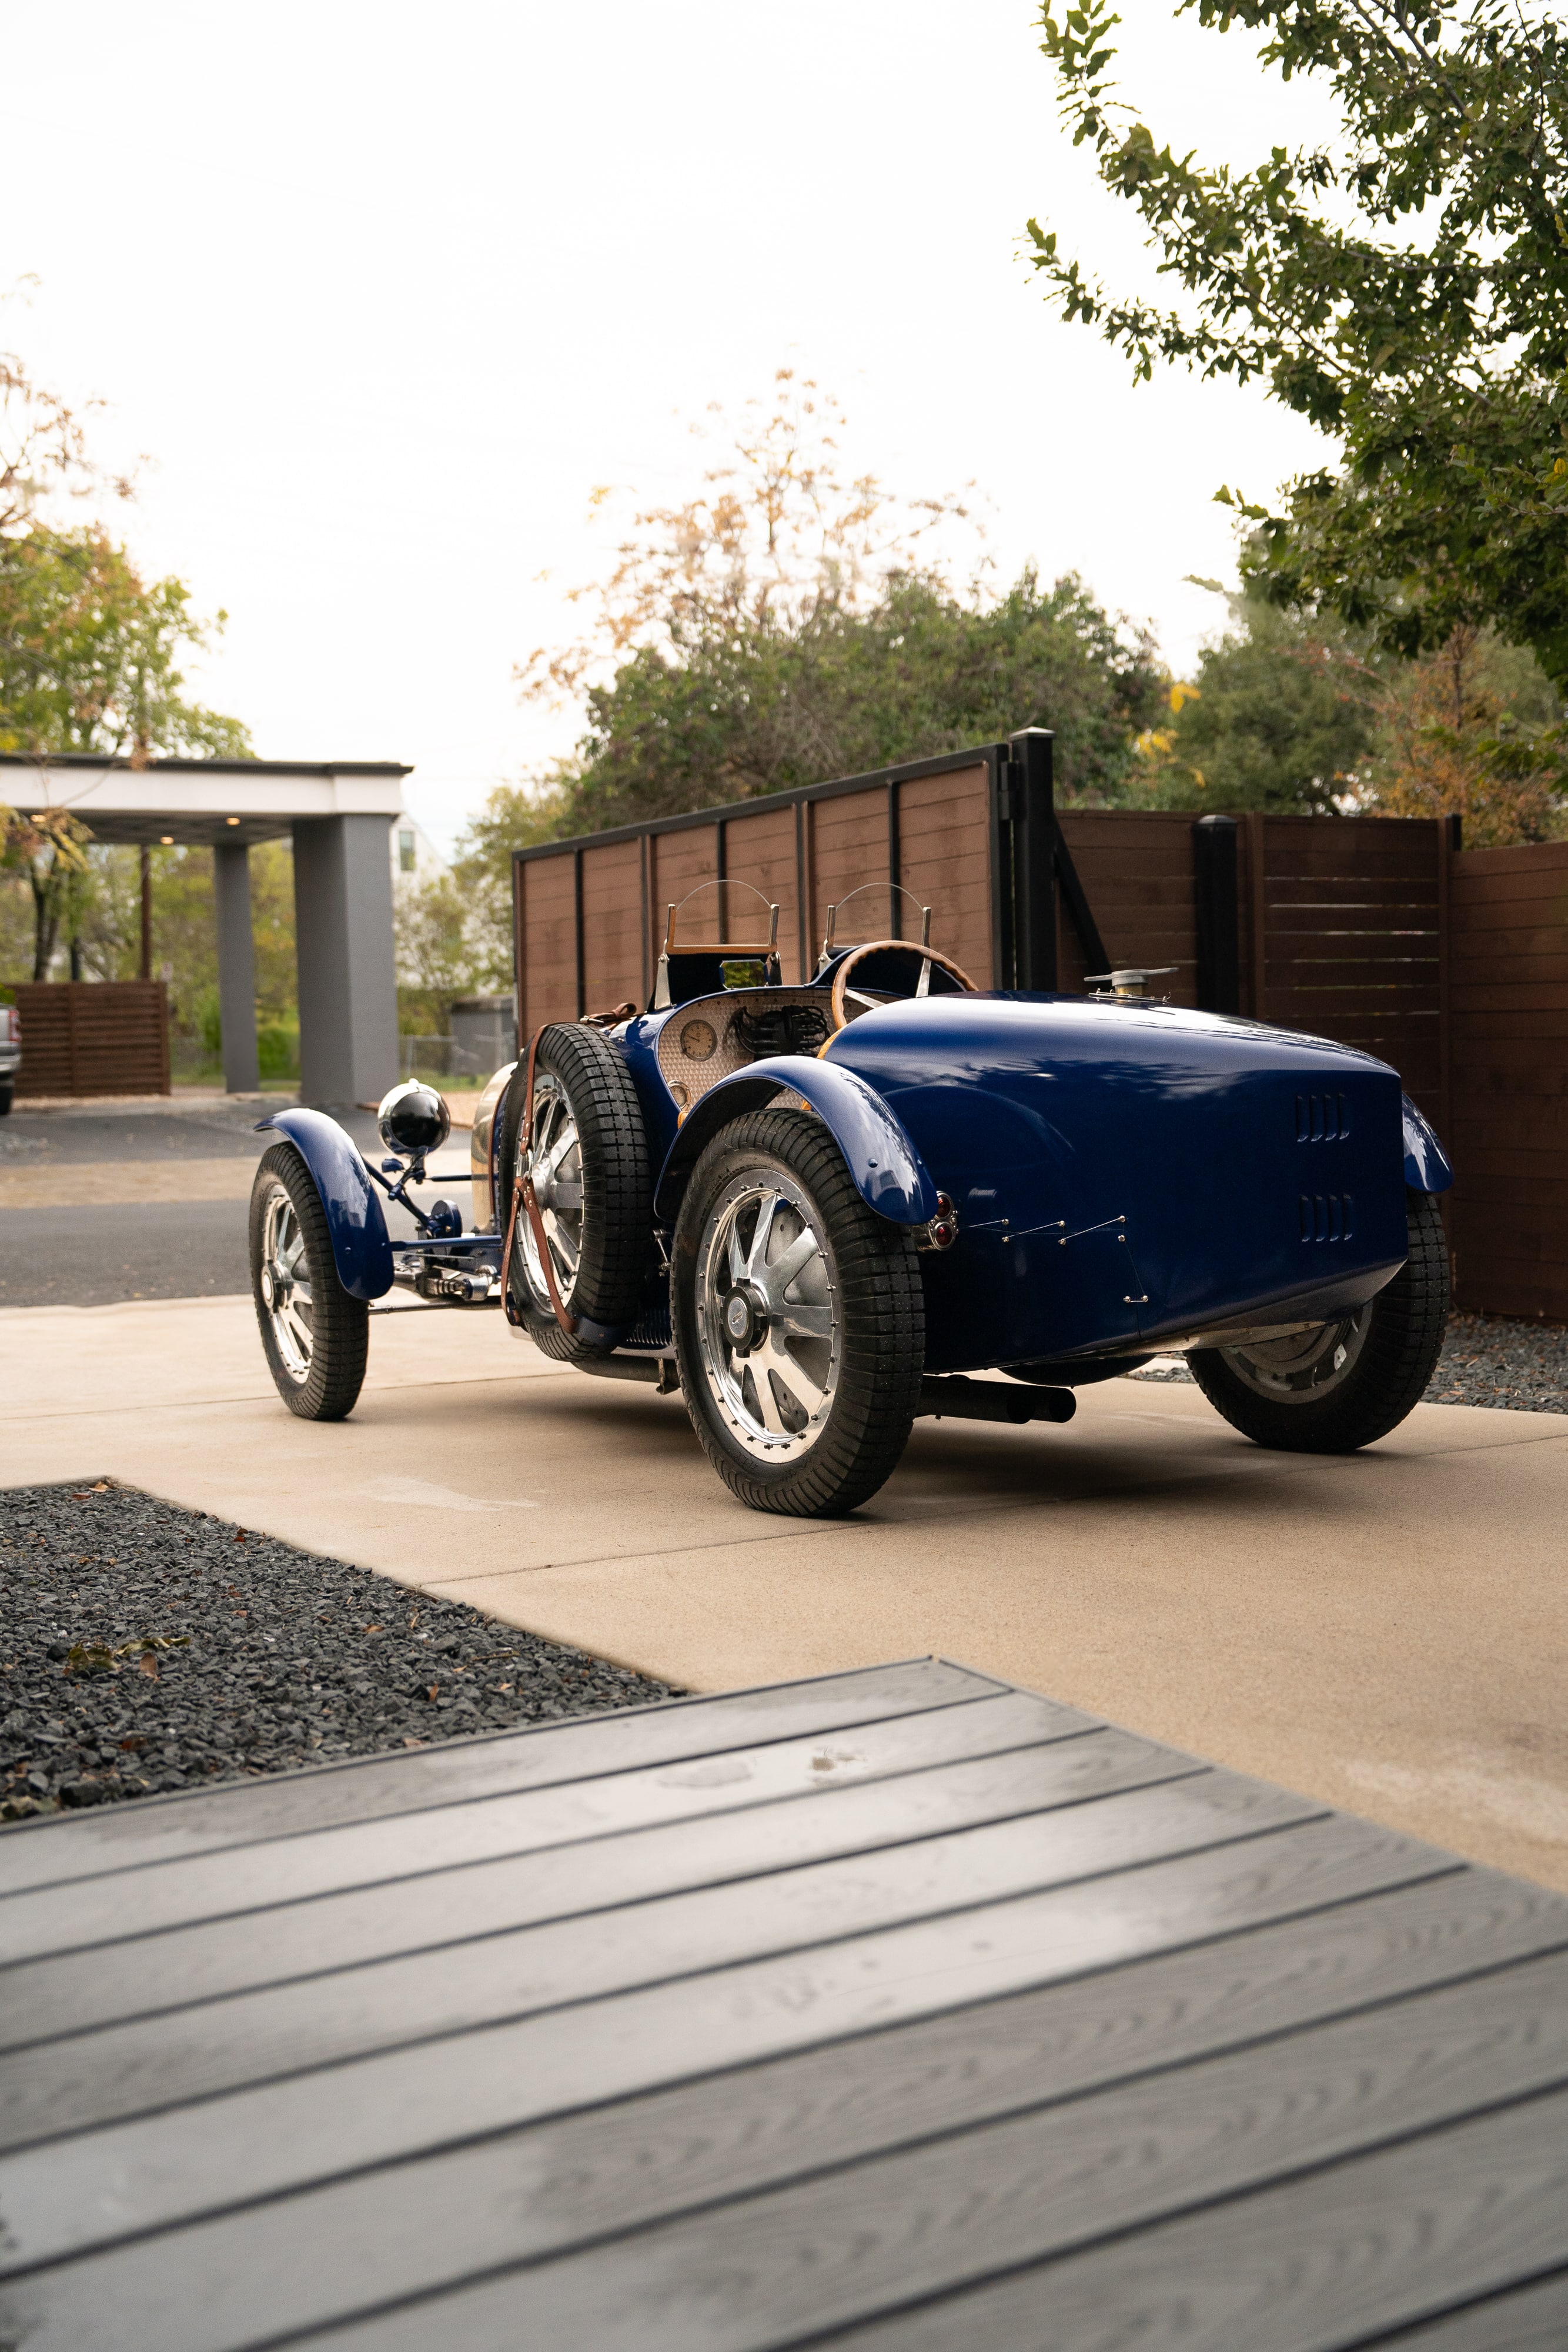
(614,1233)
(1390,1350)
(7,1096)
(861,1290)
(320,1375)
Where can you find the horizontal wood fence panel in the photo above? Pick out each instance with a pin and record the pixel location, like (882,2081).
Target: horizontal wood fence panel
(614,926)
(1508,1006)
(547,966)
(1136,869)
(943,848)
(848,844)
(93,1037)
(678,863)
(764,851)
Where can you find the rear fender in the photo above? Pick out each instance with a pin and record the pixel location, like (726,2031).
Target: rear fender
(1427,1168)
(360,1249)
(891,1176)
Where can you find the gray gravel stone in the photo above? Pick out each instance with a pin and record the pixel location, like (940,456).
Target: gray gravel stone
(147,1648)
(1492,1359)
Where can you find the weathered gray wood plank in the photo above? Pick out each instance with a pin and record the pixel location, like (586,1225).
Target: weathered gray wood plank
(584,1819)
(607,1924)
(1307,2266)
(167,1827)
(457,1896)
(1533,2319)
(840,2248)
(149,2173)
(339,2249)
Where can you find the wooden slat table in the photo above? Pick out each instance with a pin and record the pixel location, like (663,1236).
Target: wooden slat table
(896,2009)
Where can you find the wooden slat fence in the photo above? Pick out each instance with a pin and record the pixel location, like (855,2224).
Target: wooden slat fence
(1508,1017)
(1450,964)
(93,1037)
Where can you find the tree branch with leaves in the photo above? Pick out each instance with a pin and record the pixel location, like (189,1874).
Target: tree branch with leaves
(1405,287)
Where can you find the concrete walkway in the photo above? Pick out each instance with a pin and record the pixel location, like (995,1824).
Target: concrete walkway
(1387,1631)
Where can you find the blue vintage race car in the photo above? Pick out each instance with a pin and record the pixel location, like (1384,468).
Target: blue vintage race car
(819,1209)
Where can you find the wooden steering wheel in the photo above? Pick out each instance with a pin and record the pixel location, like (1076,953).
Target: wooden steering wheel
(928,958)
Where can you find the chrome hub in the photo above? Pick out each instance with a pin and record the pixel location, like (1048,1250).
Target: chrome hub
(1304,1364)
(284,1283)
(552,1155)
(745,1318)
(766,1315)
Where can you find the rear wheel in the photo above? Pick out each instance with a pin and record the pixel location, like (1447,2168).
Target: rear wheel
(587,1155)
(800,1319)
(1341,1384)
(7,1096)
(316,1336)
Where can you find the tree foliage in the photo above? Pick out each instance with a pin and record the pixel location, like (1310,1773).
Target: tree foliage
(722,716)
(1279,716)
(89,651)
(1304,716)
(1405,287)
(1472,731)
(791,623)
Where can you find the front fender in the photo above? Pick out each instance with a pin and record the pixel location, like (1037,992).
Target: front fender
(360,1249)
(891,1176)
(1427,1168)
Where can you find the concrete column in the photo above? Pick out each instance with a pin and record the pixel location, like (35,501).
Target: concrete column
(236,967)
(348,976)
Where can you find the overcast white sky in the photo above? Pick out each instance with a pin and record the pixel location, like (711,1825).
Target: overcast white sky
(385,290)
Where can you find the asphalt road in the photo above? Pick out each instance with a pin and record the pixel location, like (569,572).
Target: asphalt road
(96,1256)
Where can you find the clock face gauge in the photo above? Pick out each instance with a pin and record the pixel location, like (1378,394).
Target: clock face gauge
(698,1040)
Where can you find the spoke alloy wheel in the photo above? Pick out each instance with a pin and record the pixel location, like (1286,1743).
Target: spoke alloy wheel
(285,1285)
(767,1312)
(1307,1365)
(552,1155)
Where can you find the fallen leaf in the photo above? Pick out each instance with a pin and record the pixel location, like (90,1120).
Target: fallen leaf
(150,1665)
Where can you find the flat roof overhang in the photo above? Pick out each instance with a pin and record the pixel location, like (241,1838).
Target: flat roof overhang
(201,803)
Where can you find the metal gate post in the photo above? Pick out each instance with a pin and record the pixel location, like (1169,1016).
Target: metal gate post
(1215,905)
(1034,858)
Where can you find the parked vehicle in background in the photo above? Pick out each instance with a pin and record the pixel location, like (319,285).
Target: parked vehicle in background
(10,1053)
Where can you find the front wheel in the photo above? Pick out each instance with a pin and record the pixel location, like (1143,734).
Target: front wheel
(800,1319)
(1341,1384)
(316,1337)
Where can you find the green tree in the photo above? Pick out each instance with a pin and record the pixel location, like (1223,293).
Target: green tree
(787,623)
(89,651)
(724,714)
(1472,731)
(1405,286)
(1280,714)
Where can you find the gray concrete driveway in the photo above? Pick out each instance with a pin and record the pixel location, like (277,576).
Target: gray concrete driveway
(1387,1631)
(102,1202)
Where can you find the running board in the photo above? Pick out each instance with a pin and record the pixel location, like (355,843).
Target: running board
(956,1399)
(659,1372)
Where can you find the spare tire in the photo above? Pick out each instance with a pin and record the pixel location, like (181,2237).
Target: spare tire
(588,1154)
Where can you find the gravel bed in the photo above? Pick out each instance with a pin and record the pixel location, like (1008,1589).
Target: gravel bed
(1492,1359)
(1487,1360)
(146,1648)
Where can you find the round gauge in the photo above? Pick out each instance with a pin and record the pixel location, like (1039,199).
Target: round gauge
(680,1094)
(698,1040)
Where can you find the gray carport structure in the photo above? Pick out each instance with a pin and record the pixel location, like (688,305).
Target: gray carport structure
(339,814)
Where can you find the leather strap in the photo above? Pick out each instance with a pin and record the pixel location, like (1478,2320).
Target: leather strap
(523,1194)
